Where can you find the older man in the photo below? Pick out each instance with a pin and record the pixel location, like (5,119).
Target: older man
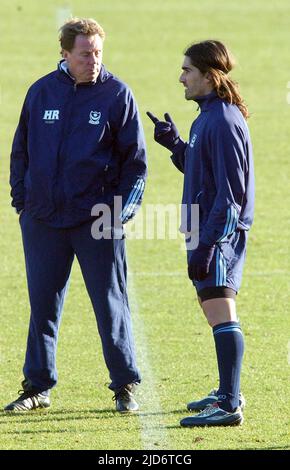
(79,143)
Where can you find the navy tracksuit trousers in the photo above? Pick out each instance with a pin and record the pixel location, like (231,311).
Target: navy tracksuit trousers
(49,253)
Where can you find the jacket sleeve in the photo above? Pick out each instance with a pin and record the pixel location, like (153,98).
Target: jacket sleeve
(19,161)
(130,145)
(228,155)
(178,158)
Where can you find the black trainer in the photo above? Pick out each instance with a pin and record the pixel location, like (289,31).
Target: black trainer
(125,401)
(28,400)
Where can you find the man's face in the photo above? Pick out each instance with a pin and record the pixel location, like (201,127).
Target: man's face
(196,84)
(85,59)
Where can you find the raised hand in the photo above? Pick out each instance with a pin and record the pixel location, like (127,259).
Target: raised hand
(166,133)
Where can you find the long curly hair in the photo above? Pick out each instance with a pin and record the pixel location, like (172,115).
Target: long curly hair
(214,58)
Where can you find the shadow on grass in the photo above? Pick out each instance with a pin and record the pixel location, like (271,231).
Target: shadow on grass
(75,415)
(287,447)
(42,431)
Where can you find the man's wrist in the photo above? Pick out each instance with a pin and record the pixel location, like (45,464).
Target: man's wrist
(178,146)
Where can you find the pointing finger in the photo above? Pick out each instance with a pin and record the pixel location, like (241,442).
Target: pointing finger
(152,117)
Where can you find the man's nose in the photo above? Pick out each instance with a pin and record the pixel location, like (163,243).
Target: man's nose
(93,59)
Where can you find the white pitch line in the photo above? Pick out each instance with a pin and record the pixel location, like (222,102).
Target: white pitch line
(62,15)
(153,433)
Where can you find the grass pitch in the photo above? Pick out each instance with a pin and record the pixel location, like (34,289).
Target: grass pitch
(144,46)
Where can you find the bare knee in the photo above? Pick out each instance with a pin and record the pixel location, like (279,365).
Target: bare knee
(220,310)
(211,320)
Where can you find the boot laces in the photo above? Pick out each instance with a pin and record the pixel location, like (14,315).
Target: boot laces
(209,409)
(123,394)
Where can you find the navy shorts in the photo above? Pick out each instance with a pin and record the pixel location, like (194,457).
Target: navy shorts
(226,268)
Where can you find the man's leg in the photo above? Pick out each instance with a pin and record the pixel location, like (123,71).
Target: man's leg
(229,343)
(222,406)
(216,296)
(103,265)
(48,259)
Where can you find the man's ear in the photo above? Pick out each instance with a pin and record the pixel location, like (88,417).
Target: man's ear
(64,53)
(208,77)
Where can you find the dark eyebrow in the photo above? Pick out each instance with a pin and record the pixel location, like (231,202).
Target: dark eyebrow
(186,68)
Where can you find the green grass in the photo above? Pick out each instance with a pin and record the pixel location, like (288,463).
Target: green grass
(144,46)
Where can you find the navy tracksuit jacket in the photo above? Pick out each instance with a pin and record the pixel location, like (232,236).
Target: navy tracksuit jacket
(76,146)
(219,176)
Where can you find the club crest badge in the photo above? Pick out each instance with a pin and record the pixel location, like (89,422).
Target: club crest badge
(192,141)
(95,117)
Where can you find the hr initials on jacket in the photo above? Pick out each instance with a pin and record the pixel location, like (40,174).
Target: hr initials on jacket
(51,115)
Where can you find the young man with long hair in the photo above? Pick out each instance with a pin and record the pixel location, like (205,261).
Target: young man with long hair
(218,172)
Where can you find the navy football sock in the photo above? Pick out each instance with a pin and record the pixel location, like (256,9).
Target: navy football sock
(229,343)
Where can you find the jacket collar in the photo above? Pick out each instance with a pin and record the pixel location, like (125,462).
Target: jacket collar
(64,71)
(63,67)
(205,102)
